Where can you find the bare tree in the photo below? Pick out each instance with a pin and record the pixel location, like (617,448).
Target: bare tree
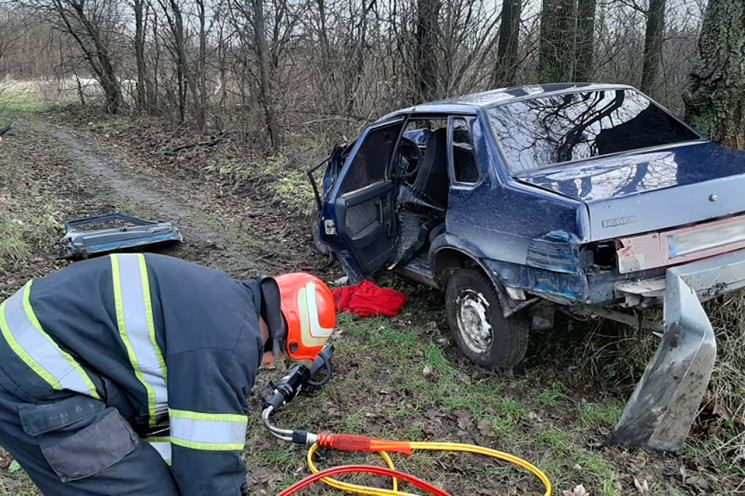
(585,37)
(140,8)
(9,32)
(176,44)
(427,32)
(507,49)
(653,38)
(201,68)
(556,52)
(715,100)
(92,24)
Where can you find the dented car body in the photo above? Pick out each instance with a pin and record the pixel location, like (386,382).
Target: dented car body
(517,200)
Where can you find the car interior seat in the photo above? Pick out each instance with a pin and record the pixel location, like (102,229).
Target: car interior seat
(432,178)
(421,205)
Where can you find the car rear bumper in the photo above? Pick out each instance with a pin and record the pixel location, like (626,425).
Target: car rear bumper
(709,278)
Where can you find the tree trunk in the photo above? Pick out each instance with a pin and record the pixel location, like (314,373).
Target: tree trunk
(509,35)
(154,89)
(266,95)
(653,44)
(177,48)
(585,34)
(556,50)
(715,99)
(139,46)
(427,30)
(201,68)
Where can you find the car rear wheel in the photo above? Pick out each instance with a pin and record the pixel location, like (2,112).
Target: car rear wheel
(477,324)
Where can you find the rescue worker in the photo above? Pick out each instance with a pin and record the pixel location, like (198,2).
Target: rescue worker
(129,374)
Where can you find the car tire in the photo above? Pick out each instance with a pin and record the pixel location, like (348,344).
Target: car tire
(477,324)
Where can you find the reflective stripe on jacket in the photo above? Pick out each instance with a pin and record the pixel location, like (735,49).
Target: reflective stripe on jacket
(29,341)
(134,316)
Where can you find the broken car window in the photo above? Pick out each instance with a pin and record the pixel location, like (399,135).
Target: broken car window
(464,161)
(370,163)
(412,149)
(544,131)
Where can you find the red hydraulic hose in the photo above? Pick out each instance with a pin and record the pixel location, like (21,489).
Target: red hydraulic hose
(368,469)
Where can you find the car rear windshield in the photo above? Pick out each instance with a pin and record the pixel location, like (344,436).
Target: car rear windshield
(545,131)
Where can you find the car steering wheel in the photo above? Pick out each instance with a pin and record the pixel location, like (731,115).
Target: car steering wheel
(409,158)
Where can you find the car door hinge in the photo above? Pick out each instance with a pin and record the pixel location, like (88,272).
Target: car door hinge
(329,227)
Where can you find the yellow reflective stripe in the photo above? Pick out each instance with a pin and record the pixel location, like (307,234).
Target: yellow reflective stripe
(18,350)
(121,324)
(73,363)
(208,431)
(158,439)
(149,315)
(25,336)
(213,417)
(208,446)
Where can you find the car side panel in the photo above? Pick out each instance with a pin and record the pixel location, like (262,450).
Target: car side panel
(502,216)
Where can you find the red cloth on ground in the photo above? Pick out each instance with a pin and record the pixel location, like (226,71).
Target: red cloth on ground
(367,299)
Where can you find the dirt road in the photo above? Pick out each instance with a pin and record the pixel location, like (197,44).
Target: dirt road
(243,239)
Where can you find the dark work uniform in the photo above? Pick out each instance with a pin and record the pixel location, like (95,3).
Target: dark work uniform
(130,374)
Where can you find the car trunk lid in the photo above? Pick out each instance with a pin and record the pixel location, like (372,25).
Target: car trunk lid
(630,194)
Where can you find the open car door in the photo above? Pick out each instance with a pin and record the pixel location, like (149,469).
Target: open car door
(358,221)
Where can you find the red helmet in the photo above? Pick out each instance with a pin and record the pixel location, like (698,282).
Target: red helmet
(308,307)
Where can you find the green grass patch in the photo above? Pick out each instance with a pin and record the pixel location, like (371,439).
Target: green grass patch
(110,125)
(549,397)
(13,245)
(12,102)
(599,415)
(598,472)
(27,221)
(289,186)
(556,439)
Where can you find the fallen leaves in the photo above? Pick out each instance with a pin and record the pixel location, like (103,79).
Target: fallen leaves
(428,371)
(642,486)
(578,490)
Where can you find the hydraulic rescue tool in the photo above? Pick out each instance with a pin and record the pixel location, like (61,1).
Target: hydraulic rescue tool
(299,378)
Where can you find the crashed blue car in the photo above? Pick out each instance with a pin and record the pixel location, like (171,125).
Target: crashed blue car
(518,201)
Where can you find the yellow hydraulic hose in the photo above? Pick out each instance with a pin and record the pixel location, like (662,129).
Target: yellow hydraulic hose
(515,460)
(457,447)
(354,488)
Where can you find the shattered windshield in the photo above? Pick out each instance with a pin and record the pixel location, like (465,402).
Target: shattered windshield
(551,130)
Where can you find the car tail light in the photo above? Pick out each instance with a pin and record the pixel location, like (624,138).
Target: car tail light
(557,251)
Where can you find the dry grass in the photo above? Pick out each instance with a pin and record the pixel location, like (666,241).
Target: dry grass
(724,410)
(616,356)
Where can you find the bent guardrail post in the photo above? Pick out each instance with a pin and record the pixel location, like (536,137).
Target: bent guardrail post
(664,404)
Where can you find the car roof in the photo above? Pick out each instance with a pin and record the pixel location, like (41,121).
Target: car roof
(473,101)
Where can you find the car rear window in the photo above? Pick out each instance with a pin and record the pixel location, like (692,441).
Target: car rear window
(551,130)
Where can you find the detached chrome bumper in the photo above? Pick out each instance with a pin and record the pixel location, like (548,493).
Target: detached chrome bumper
(664,404)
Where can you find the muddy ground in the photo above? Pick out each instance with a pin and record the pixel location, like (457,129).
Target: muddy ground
(84,168)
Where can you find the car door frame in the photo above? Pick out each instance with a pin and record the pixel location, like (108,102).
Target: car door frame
(355,247)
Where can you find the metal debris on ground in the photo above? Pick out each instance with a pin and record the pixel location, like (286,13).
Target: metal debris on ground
(114,231)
